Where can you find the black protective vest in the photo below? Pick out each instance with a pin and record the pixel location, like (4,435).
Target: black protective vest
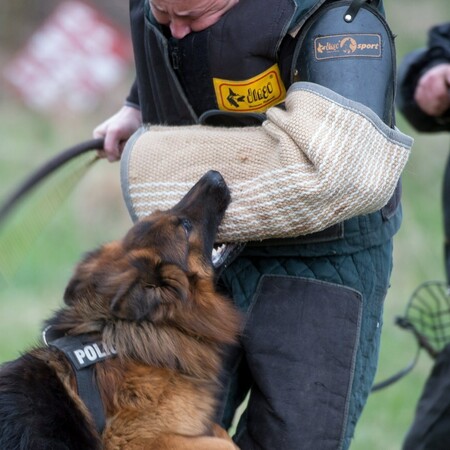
(175,76)
(177,79)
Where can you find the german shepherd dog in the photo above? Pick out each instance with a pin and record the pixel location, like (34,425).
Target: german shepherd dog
(148,309)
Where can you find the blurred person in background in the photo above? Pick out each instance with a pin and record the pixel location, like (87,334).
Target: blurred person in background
(424,100)
(424,82)
(310,392)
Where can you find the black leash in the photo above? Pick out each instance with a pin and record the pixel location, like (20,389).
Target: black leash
(399,375)
(46,169)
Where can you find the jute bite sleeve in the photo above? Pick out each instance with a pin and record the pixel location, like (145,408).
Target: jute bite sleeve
(320,161)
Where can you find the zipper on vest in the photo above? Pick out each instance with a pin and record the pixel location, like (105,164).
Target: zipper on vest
(174,54)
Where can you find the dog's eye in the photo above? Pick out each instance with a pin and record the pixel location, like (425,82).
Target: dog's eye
(187,225)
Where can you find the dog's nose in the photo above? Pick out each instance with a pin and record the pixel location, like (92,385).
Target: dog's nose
(210,195)
(214,183)
(215,177)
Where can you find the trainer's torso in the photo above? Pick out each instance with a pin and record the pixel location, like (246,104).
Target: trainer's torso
(236,66)
(233,65)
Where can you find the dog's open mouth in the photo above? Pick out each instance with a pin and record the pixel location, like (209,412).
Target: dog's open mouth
(217,253)
(225,253)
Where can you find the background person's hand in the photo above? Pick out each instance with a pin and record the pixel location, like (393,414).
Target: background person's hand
(116,130)
(433,90)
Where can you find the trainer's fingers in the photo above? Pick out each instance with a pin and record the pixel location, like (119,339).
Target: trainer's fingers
(100,130)
(111,147)
(117,130)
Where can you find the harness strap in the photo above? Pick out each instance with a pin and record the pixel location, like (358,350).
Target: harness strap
(89,393)
(355,6)
(83,353)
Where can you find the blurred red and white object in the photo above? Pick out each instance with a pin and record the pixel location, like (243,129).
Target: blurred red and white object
(71,60)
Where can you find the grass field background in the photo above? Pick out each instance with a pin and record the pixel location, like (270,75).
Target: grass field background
(94,213)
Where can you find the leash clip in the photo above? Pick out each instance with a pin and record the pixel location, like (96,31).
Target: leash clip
(49,335)
(44,334)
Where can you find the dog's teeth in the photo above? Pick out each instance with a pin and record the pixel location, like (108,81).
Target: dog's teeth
(217,252)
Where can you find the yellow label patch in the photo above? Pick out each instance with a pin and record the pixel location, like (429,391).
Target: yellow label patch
(253,95)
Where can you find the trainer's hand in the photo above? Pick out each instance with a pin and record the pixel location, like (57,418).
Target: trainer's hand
(432,91)
(116,130)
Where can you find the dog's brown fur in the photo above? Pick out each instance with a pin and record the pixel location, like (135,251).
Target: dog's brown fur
(151,296)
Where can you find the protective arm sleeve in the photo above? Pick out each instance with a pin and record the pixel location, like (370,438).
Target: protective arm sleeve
(322,160)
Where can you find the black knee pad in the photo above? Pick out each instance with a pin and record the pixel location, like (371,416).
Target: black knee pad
(349,48)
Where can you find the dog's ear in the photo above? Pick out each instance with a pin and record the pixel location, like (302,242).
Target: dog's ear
(135,301)
(73,290)
(135,293)
(82,281)
(147,289)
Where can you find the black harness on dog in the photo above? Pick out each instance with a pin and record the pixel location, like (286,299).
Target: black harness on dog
(83,352)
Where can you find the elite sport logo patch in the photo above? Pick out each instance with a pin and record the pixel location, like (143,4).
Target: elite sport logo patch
(252,95)
(347,45)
